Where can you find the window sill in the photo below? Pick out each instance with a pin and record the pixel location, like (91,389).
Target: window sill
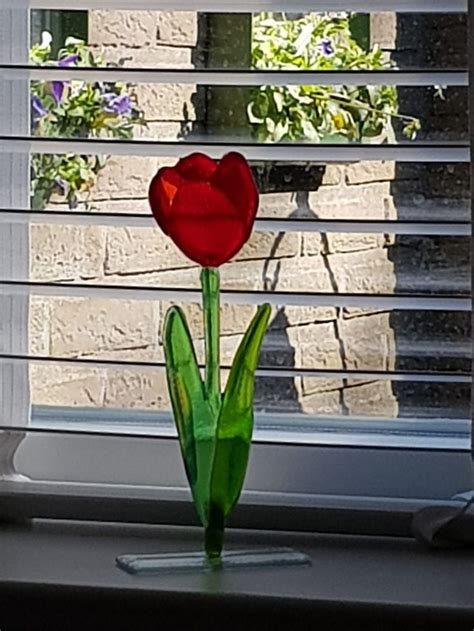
(61,575)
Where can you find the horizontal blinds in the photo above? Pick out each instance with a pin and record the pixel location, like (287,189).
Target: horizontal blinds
(435,152)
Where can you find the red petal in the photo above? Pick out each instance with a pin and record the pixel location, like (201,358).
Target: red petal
(196,167)
(234,178)
(205,225)
(162,192)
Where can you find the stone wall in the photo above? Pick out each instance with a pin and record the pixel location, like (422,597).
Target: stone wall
(301,337)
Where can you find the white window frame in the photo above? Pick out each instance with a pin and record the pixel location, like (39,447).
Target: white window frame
(14,238)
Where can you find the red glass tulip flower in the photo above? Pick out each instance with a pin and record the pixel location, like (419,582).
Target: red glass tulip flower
(206,207)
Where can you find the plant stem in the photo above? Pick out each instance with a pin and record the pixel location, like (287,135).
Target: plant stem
(210,283)
(363,106)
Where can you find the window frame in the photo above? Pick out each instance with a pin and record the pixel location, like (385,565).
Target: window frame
(14,239)
(353,511)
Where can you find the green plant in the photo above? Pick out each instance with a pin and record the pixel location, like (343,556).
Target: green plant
(74,109)
(320,41)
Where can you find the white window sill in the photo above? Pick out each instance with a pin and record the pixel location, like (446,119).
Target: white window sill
(62,575)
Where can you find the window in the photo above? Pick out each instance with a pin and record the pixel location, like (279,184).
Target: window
(360,145)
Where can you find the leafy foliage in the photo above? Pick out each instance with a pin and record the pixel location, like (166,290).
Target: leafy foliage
(74,109)
(320,41)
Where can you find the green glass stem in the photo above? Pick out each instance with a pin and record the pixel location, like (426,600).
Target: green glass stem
(214,535)
(210,282)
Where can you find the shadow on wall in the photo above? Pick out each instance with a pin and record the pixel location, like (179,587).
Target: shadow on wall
(436,342)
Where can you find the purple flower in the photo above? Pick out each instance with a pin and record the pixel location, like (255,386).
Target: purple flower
(37,108)
(57,87)
(70,60)
(326,48)
(61,185)
(117,104)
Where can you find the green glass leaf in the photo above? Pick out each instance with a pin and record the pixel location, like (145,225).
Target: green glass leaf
(235,424)
(192,413)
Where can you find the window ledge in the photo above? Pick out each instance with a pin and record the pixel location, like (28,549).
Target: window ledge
(62,575)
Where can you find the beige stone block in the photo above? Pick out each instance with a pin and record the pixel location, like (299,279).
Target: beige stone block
(295,315)
(313,243)
(138,250)
(316,346)
(311,385)
(177,28)
(357,312)
(322,403)
(125,177)
(371,399)
(66,385)
(333,174)
(86,326)
(263,245)
(277,205)
(373,171)
(149,57)
(353,242)
(66,252)
(133,29)
(137,390)
(38,326)
(166,102)
(366,272)
(369,342)
(159,130)
(297,274)
(383,30)
(372,201)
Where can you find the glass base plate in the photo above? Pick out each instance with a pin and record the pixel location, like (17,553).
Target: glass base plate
(149,564)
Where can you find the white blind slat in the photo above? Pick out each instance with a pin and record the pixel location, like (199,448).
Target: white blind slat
(455,229)
(266,372)
(240,78)
(277,298)
(252,6)
(403,152)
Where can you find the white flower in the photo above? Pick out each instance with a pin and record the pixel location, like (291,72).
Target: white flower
(46,39)
(73,41)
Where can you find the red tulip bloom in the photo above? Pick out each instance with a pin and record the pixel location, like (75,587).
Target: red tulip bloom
(206,207)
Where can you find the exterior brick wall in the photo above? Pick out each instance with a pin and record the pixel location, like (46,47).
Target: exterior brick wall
(305,337)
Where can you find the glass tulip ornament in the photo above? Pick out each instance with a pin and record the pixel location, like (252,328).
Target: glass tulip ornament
(208,209)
